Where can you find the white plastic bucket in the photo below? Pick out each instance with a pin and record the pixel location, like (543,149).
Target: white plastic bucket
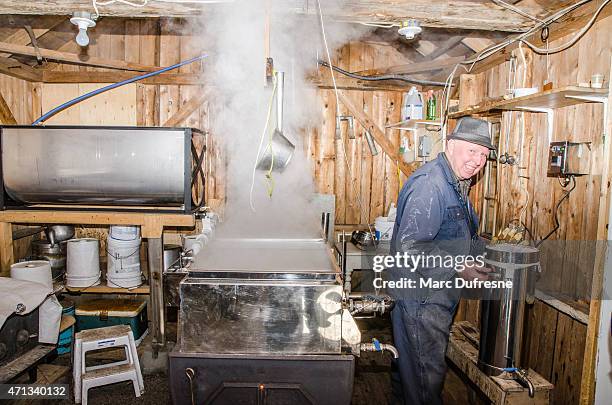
(129,233)
(82,262)
(384,228)
(123,259)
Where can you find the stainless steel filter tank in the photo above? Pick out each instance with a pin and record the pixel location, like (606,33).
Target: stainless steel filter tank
(502,309)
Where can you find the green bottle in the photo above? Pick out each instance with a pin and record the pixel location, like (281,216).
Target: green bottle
(431,106)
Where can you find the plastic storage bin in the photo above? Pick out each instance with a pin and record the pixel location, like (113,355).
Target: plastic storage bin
(98,313)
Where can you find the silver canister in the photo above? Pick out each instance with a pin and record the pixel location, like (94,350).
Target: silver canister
(503,309)
(55,254)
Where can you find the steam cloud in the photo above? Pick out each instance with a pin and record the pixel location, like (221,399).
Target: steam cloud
(234,33)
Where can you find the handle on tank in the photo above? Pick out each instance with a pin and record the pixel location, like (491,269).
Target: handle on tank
(190,373)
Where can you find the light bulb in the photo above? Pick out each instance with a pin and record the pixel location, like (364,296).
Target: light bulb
(82,39)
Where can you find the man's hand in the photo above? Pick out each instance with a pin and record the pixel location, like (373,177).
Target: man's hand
(475,272)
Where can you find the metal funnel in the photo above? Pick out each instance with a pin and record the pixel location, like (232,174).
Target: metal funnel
(280,147)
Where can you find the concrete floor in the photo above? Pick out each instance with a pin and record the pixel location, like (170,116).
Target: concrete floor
(372,383)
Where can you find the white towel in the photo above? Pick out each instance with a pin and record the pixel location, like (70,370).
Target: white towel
(22,297)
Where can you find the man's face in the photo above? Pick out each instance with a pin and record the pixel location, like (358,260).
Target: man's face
(466,158)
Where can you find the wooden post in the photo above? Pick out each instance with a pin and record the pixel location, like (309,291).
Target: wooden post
(6,248)
(587,390)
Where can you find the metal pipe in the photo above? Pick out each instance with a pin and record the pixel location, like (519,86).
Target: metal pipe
(521,376)
(155,253)
(85,96)
(325,216)
(371,144)
(373,347)
(359,295)
(280,94)
(385,77)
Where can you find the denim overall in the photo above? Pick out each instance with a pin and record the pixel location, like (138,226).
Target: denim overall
(432,218)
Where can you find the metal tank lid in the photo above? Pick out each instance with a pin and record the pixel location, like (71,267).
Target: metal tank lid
(509,253)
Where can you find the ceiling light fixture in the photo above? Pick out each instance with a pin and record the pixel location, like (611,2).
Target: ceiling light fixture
(410,28)
(83,20)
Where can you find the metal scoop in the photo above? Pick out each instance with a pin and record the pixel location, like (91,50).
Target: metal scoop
(279,147)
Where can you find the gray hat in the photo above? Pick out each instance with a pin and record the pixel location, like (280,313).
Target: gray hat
(472,130)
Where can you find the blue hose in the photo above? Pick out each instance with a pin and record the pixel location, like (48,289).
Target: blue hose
(85,96)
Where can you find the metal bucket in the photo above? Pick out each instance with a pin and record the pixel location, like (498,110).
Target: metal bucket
(55,254)
(59,233)
(503,309)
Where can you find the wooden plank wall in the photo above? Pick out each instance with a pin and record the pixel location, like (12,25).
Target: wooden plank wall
(375,178)
(554,342)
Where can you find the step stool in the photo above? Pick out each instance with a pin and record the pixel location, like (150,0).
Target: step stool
(95,376)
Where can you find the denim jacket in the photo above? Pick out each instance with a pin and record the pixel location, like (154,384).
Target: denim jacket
(433,219)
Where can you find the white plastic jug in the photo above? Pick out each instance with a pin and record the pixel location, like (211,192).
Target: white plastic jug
(412,105)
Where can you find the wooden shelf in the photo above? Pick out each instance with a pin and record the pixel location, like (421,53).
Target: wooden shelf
(104,289)
(411,125)
(572,309)
(151,224)
(556,98)
(24,362)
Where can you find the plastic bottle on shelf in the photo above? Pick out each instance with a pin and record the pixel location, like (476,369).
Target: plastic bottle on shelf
(412,105)
(431,106)
(405,152)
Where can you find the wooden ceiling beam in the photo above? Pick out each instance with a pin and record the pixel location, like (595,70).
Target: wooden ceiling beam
(74,58)
(55,76)
(22,37)
(40,24)
(16,69)
(413,68)
(483,15)
(477,44)
(444,47)
(425,47)
(347,83)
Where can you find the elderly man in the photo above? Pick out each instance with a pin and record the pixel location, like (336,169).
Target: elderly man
(434,219)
